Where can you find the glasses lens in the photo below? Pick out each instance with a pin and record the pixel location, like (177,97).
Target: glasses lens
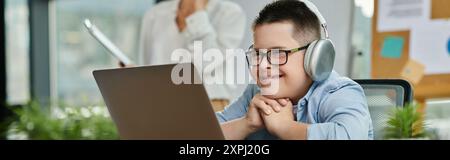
(277,57)
(252,57)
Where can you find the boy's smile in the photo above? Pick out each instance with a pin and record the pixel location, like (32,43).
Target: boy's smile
(266,80)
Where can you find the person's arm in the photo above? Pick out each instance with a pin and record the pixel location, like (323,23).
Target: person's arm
(241,118)
(345,114)
(239,107)
(253,121)
(282,123)
(226,32)
(294,131)
(237,129)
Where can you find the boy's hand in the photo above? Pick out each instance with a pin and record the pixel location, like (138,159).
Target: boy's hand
(267,105)
(261,104)
(253,117)
(278,123)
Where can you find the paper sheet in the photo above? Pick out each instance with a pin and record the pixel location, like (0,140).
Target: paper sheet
(429,46)
(413,71)
(396,15)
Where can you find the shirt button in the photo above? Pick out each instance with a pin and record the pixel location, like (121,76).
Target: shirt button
(303,103)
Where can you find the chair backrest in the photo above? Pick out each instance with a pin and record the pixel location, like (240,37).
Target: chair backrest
(382,95)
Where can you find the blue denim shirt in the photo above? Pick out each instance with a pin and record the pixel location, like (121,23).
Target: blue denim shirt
(335,109)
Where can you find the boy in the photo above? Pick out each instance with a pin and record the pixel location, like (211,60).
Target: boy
(300,108)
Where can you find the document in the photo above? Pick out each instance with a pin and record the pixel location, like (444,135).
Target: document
(430,46)
(398,15)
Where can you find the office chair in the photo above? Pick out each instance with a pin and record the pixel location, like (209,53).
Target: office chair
(382,95)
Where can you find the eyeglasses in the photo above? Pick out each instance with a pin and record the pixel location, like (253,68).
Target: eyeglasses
(274,56)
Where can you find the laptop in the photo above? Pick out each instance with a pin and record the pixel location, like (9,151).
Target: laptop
(145,104)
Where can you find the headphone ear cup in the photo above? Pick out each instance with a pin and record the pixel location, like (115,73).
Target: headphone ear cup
(307,58)
(319,59)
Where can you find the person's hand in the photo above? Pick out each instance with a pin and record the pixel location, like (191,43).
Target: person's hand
(121,65)
(261,105)
(200,5)
(267,105)
(187,8)
(279,122)
(253,117)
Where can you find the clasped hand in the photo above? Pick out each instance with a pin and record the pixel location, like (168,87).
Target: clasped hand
(276,115)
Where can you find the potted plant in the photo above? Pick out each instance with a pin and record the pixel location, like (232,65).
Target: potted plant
(405,123)
(61,122)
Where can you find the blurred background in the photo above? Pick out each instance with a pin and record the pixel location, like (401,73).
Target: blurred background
(48,57)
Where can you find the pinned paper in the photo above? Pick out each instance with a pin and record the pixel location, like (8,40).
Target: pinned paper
(396,15)
(392,47)
(413,71)
(429,46)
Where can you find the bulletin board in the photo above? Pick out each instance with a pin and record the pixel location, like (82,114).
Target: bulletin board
(430,86)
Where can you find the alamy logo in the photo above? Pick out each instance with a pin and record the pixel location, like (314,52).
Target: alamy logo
(220,67)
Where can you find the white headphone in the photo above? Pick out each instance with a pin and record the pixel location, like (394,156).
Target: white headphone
(319,57)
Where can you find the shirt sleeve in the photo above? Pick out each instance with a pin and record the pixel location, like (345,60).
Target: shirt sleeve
(239,107)
(198,26)
(345,115)
(224,32)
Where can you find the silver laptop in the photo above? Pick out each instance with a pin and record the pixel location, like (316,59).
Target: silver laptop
(145,104)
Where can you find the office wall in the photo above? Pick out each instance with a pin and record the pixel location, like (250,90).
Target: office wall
(338,14)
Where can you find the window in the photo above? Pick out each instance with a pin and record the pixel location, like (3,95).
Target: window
(361,39)
(77,54)
(438,118)
(17,49)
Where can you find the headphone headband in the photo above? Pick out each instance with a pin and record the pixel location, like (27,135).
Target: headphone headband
(313,8)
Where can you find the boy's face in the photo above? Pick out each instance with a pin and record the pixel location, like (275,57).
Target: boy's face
(291,79)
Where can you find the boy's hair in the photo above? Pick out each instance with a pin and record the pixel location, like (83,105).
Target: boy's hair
(305,22)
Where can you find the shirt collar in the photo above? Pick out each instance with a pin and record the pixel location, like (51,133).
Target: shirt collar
(309,93)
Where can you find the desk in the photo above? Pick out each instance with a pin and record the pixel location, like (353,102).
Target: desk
(219,104)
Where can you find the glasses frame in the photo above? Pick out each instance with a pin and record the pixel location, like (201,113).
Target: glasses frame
(269,52)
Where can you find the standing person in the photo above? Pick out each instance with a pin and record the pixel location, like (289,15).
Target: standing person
(177,24)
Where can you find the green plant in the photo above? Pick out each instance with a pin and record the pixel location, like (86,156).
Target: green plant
(405,123)
(35,122)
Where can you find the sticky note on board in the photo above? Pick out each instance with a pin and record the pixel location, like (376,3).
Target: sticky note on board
(413,71)
(393,47)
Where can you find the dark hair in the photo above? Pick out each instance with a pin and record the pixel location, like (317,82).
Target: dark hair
(296,12)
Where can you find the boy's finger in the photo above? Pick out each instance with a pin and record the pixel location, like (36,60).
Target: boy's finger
(283,102)
(289,101)
(261,105)
(273,103)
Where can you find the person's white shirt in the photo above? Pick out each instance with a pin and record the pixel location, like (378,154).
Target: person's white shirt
(220,26)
